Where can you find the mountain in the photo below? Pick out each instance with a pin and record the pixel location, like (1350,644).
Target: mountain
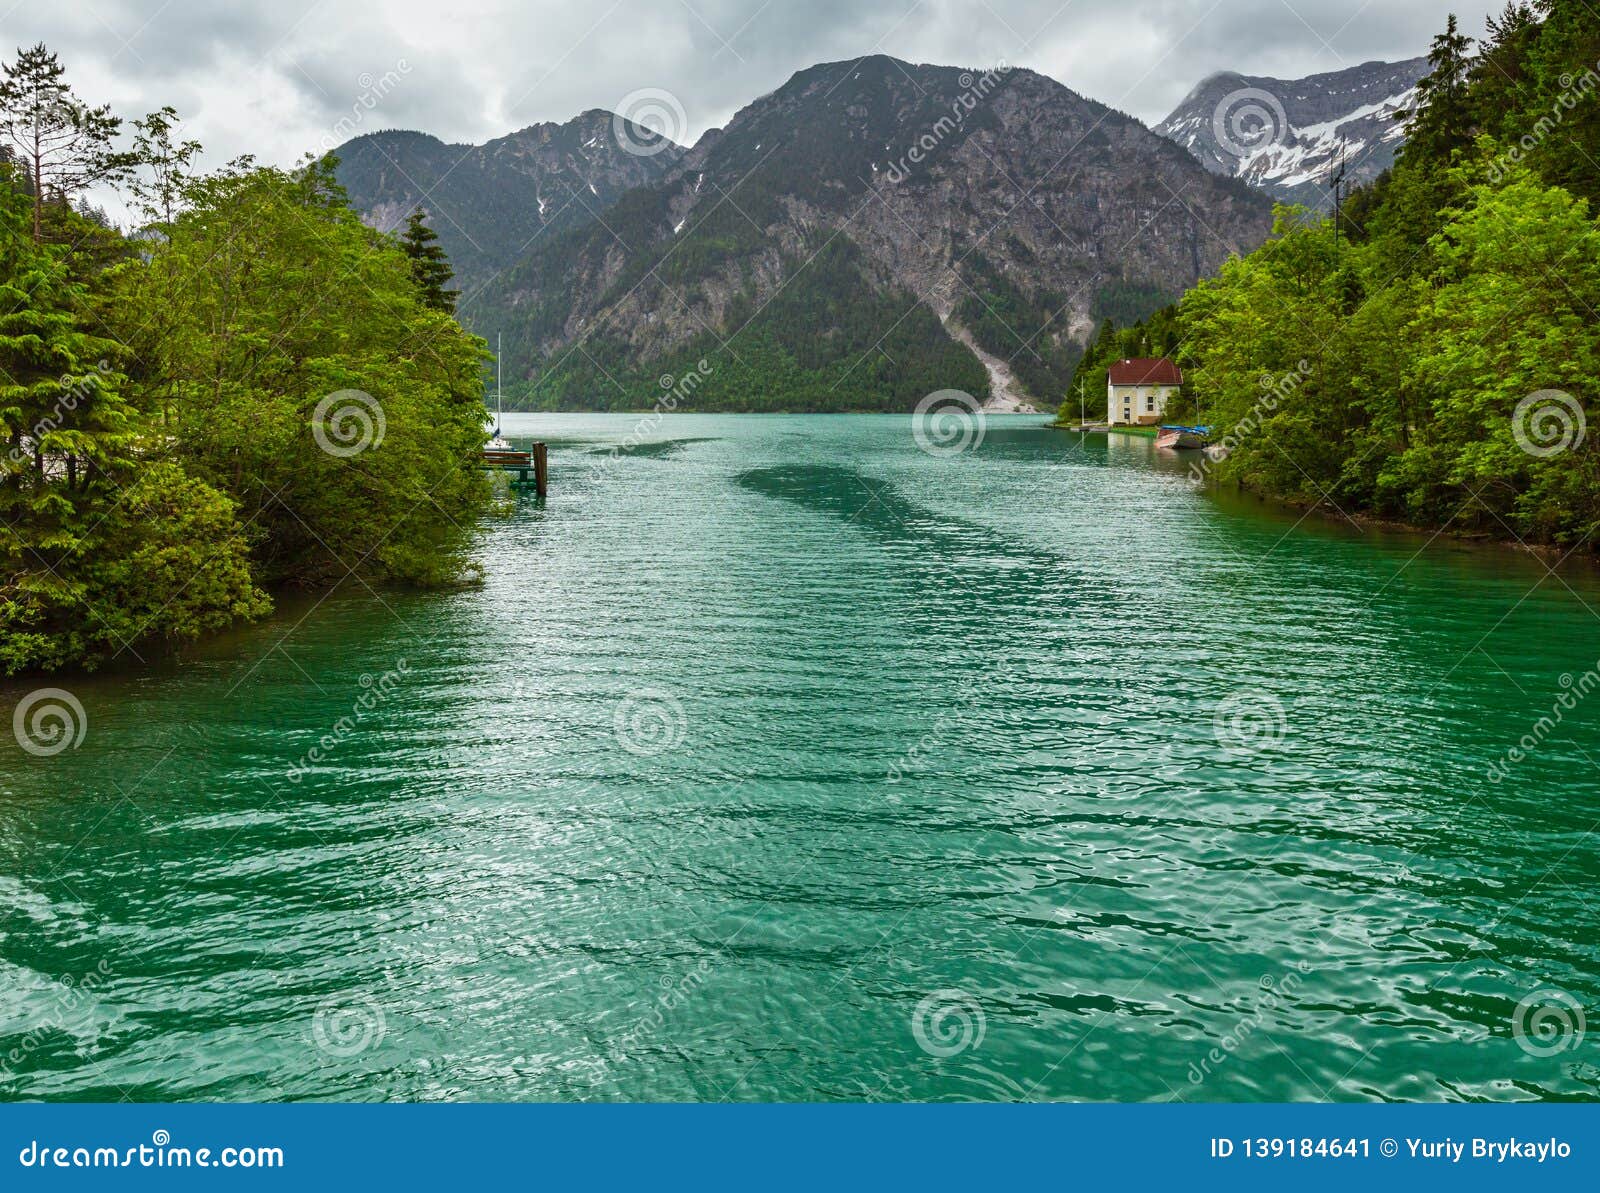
(1287,136)
(870,232)
(489,203)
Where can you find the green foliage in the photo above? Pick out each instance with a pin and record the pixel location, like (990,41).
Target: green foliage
(1437,364)
(325,334)
(160,167)
(1128,302)
(67,439)
(275,399)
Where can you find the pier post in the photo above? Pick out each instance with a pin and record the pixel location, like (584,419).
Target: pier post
(541,469)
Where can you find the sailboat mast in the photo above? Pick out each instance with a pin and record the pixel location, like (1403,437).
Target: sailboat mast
(497,384)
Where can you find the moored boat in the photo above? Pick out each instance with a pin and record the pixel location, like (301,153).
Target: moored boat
(1179,437)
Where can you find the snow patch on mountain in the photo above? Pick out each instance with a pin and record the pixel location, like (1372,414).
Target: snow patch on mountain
(1290,136)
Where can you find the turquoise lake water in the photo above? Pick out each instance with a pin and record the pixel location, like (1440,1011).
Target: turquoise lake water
(781,759)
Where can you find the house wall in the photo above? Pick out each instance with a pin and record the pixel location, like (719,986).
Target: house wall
(1144,404)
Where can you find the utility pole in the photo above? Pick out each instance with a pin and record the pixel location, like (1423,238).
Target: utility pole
(1082,420)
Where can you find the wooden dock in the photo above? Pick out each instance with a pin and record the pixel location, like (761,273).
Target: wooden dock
(531,469)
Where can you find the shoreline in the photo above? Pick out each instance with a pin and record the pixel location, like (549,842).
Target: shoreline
(1552,554)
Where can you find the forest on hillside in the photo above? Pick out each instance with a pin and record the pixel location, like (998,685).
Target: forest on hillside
(1430,355)
(249,390)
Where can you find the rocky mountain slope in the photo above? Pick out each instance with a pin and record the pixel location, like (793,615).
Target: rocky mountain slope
(489,203)
(840,243)
(1287,136)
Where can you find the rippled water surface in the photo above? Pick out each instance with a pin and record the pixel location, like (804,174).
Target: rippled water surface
(779,759)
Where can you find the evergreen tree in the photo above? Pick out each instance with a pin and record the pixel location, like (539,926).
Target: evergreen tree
(63,144)
(429,265)
(1442,122)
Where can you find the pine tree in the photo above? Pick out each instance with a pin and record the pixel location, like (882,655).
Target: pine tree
(62,144)
(66,435)
(429,265)
(1442,120)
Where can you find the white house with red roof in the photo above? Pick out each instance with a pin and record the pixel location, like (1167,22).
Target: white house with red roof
(1138,389)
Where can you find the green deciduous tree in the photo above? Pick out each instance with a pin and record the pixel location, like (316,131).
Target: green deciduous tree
(295,367)
(162,166)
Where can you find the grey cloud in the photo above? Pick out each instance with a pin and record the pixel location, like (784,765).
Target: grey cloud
(271,78)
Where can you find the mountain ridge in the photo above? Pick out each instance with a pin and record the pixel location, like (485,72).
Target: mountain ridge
(994,202)
(1290,136)
(489,201)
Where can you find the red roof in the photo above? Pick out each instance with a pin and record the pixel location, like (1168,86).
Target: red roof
(1146,370)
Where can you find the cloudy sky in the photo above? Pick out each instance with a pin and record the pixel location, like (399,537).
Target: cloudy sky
(279,77)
